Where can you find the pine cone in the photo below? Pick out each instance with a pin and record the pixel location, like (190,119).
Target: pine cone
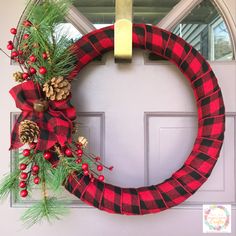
(18,77)
(82,141)
(28,131)
(57,88)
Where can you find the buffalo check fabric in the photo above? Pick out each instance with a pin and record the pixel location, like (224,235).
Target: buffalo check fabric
(55,124)
(211,125)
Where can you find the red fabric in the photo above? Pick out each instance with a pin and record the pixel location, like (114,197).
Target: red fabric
(55,124)
(211,125)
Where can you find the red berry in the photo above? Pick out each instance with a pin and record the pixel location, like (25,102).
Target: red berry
(42,70)
(14,54)
(79,160)
(24,193)
(111,168)
(10,46)
(86,172)
(35,168)
(36,180)
(33,58)
(32,145)
(99,167)
(25,76)
(26,152)
(97,158)
(101,178)
(13,31)
(23,166)
(22,184)
(79,152)
(24,175)
(25,36)
(27,23)
(68,152)
(20,52)
(47,155)
(45,56)
(85,166)
(32,70)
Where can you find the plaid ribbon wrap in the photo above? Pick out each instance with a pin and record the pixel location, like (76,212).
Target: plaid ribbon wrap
(211,125)
(55,124)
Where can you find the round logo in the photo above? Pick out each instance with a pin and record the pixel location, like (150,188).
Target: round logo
(216,218)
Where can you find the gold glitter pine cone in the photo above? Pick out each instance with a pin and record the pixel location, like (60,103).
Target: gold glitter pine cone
(28,131)
(82,141)
(18,76)
(57,88)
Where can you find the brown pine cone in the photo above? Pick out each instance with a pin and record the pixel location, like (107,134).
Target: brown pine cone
(57,88)
(18,76)
(28,131)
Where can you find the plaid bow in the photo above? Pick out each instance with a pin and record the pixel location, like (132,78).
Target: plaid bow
(55,124)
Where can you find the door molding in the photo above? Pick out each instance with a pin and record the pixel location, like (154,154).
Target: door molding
(189,204)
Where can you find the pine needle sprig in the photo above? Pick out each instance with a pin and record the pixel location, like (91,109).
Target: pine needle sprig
(48,208)
(9,184)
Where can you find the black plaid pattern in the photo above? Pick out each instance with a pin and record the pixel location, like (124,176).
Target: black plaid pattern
(130,202)
(156,39)
(112,199)
(177,49)
(211,105)
(210,147)
(151,200)
(190,178)
(194,65)
(205,85)
(201,162)
(211,123)
(93,193)
(173,192)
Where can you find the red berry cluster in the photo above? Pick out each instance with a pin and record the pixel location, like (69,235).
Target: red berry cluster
(21,53)
(82,158)
(25,175)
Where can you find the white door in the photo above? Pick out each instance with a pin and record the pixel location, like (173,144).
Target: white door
(129,117)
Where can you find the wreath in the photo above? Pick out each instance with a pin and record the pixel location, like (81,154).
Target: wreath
(51,151)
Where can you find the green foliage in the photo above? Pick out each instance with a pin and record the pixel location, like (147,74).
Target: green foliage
(64,168)
(9,184)
(47,208)
(45,37)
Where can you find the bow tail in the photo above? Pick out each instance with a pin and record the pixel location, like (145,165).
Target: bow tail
(54,128)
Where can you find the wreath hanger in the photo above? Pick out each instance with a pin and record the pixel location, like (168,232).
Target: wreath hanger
(123,31)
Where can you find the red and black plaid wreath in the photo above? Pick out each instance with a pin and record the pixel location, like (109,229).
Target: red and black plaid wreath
(56,124)
(211,125)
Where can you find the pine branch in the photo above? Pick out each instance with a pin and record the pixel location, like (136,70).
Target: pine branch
(9,184)
(48,208)
(44,38)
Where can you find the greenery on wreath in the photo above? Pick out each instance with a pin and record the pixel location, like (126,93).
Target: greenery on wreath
(45,57)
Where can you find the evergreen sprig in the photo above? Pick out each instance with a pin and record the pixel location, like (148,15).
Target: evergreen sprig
(48,208)
(9,184)
(45,37)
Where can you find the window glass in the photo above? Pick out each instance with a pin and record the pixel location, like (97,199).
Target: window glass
(205,29)
(144,11)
